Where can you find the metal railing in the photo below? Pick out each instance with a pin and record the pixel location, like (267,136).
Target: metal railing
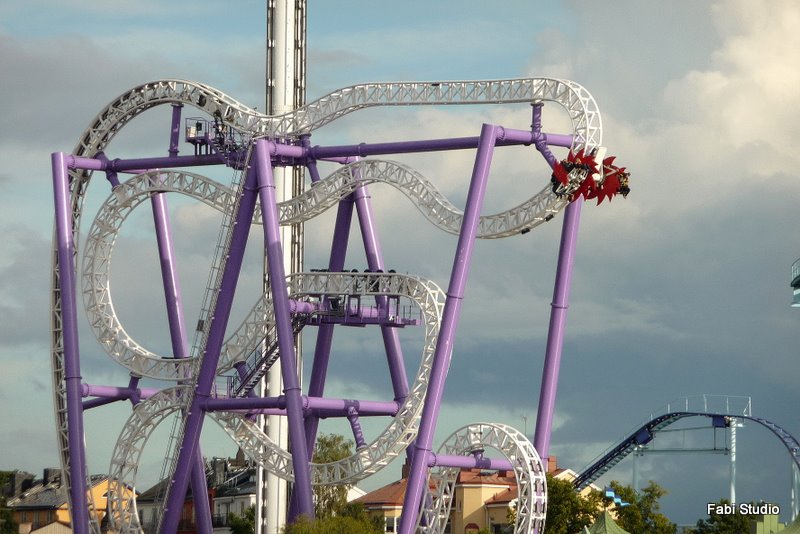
(796,274)
(705,403)
(727,404)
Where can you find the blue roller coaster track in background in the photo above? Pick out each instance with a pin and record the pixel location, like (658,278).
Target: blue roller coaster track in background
(647,432)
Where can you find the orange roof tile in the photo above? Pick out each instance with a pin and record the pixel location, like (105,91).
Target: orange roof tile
(504,497)
(389,495)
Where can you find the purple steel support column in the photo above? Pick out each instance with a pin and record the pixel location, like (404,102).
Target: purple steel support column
(391,341)
(205,379)
(313,171)
(558,312)
(175,132)
(540,140)
(322,351)
(355,427)
(72,367)
(177,324)
(555,335)
(133,385)
(169,276)
(283,327)
(417,481)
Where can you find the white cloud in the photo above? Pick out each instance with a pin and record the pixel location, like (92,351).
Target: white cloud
(700,104)
(747,99)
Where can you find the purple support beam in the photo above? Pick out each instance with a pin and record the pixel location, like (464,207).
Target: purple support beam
(301,306)
(559,140)
(207,374)
(476,461)
(355,428)
(102,163)
(541,140)
(313,171)
(505,137)
(401,147)
(169,276)
(417,482)
(72,370)
(107,394)
(175,319)
(101,401)
(313,405)
(175,130)
(391,340)
(136,394)
(115,392)
(243,404)
(322,351)
(555,335)
(558,312)
(283,326)
(341,406)
(131,165)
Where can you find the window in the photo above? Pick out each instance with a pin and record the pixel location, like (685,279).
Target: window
(390,524)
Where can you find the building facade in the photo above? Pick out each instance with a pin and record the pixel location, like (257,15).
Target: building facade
(43,503)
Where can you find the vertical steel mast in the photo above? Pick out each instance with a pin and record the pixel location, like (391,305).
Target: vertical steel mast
(285,91)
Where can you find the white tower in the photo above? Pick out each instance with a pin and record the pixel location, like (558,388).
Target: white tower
(285,91)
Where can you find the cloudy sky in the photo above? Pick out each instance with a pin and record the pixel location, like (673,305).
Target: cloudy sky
(681,289)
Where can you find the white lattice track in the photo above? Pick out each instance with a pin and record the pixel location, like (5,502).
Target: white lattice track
(587,134)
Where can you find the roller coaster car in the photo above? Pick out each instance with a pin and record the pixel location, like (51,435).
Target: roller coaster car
(602,183)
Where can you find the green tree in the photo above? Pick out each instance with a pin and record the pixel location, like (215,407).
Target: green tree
(352,519)
(330,500)
(734,523)
(7,525)
(511,518)
(243,524)
(642,516)
(568,512)
(334,515)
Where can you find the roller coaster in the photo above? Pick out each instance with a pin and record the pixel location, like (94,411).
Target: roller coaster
(648,430)
(251,145)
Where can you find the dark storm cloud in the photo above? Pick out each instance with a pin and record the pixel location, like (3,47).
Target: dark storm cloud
(679,290)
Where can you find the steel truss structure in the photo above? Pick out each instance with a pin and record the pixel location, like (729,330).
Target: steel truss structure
(252,144)
(648,431)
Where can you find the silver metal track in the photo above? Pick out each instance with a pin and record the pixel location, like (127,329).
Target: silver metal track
(579,104)
(528,470)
